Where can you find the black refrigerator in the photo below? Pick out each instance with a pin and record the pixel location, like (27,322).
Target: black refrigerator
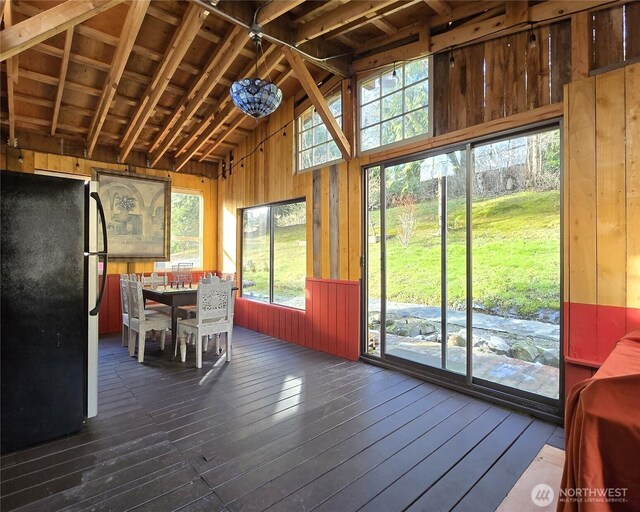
(49,302)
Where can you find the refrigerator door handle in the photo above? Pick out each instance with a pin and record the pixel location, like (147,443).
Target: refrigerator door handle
(100,254)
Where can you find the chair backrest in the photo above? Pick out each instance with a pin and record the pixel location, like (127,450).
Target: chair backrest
(124,297)
(136,302)
(215,300)
(154,280)
(206,278)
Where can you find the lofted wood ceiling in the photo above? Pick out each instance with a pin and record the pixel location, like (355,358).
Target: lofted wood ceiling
(151,77)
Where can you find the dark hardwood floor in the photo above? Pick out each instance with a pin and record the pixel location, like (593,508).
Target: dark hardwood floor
(280,428)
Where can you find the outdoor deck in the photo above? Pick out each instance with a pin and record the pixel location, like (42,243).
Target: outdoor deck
(281,427)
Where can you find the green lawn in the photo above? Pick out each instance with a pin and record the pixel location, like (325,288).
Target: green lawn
(516,258)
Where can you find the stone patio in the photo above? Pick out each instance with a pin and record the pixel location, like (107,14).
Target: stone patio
(523,354)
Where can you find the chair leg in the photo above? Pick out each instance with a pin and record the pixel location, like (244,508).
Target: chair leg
(141,339)
(217,344)
(228,346)
(163,337)
(132,341)
(125,335)
(198,351)
(205,345)
(183,348)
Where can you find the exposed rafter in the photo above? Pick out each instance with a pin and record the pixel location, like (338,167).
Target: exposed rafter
(308,84)
(274,10)
(180,43)
(338,17)
(66,52)
(30,32)
(12,77)
(130,29)
(216,67)
(440,6)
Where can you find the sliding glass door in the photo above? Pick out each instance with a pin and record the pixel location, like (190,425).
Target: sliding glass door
(463,264)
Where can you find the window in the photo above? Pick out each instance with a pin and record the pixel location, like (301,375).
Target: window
(186,230)
(394,105)
(274,255)
(315,144)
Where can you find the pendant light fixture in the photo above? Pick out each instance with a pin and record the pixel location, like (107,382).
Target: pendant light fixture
(256,97)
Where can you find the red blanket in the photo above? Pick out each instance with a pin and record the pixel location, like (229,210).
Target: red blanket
(602,428)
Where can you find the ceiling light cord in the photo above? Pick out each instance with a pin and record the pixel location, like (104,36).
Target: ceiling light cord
(251,28)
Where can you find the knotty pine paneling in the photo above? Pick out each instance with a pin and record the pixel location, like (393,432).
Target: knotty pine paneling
(602,214)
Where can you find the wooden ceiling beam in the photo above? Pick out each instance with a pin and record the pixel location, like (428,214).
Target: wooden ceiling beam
(130,29)
(216,116)
(219,63)
(440,6)
(12,77)
(145,80)
(384,25)
(336,18)
(372,18)
(274,10)
(182,38)
(63,76)
(464,11)
(517,12)
(44,25)
(308,84)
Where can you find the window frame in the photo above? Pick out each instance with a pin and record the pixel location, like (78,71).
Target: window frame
(379,73)
(199,238)
(271,225)
(337,91)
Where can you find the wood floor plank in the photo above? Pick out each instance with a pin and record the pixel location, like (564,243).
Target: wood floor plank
(492,488)
(281,426)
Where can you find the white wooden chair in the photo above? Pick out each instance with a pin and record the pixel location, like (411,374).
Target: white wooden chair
(124,299)
(215,316)
(190,311)
(154,280)
(141,321)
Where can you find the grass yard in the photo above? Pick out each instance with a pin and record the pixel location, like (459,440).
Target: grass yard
(516,258)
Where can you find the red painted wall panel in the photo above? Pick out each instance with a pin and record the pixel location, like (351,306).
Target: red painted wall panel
(591,333)
(330,322)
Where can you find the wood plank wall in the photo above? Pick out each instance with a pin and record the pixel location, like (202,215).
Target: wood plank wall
(610,27)
(35,160)
(501,77)
(602,216)
(330,322)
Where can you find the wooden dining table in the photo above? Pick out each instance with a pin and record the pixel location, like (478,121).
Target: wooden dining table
(173,297)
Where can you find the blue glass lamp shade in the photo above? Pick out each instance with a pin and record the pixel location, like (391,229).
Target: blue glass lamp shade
(255,97)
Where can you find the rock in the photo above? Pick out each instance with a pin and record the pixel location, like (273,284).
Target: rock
(374,318)
(455,340)
(389,322)
(426,328)
(551,316)
(498,345)
(400,330)
(549,357)
(414,331)
(524,350)
(430,337)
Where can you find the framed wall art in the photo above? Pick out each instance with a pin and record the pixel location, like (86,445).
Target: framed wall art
(137,213)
